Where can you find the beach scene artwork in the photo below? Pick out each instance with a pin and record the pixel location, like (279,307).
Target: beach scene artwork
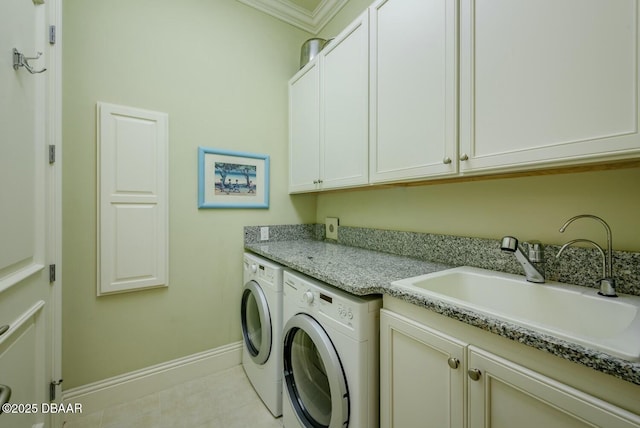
(235,179)
(229,179)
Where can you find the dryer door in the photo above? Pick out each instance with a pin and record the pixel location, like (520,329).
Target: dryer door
(256,322)
(314,379)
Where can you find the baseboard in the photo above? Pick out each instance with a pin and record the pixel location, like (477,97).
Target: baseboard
(133,385)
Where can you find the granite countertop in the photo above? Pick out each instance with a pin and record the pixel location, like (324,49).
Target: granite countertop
(356,270)
(362,272)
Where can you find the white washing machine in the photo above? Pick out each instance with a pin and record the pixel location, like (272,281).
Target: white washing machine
(261,317)
(330,356)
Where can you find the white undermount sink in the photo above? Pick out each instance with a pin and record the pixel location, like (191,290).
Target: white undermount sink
(570,312)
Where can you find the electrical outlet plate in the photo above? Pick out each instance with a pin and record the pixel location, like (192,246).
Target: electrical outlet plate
(264,233)
(331,227)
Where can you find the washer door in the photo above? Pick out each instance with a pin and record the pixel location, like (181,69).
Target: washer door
(313,375)
(256,322)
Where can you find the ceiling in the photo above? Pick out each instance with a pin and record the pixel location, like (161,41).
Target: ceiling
(309,15)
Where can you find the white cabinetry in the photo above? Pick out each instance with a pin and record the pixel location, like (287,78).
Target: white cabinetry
(548,82)
(416,381)
(506,392)
(430,378)
(498,85)
(345,107)
(328,118)
(413,116)
(304,129)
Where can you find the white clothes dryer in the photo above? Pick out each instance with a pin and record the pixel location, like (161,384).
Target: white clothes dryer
(261,317)
(330,356)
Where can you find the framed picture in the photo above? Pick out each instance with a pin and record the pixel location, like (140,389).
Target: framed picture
(228,179)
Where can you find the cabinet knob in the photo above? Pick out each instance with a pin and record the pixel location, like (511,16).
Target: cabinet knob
(454,363)
(474,374)
(315,181)
(446,160)
(464,157)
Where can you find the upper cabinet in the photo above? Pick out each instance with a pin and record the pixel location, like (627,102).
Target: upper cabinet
(344,104)
(328,122)
(304,129)
(494,86)
(547,82)
(413,82)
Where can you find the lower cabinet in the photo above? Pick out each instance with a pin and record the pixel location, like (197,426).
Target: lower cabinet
(431,379)
(422,375)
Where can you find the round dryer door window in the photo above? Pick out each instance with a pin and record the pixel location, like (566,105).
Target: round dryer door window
(314,378)
(256,322)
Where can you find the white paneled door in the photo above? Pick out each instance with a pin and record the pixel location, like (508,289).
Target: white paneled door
(29,207)
(133,183)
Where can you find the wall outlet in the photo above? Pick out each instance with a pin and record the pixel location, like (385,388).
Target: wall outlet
(331,227)
(264,233)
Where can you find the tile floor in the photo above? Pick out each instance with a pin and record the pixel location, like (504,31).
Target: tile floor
(224,399)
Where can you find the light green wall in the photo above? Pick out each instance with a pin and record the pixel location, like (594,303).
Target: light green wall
(220,70)
(528,207)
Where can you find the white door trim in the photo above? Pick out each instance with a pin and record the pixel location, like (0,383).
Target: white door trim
(54,136)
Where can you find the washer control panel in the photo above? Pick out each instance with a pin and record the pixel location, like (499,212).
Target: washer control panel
(345,311)
(331,303)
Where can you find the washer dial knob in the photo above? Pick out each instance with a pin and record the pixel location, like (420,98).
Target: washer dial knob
(308,297)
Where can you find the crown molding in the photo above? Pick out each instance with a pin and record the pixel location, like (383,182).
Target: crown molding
(291,13)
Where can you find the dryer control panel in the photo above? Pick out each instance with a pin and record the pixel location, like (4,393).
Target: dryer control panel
(262,271)
(266,273)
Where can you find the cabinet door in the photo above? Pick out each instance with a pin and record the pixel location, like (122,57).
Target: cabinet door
(508,395)
(304,129)
(345,107)
(413,117)
(418,387)
(548,82)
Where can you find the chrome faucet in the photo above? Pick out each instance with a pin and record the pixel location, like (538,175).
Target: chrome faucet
(608,282)
(535,252)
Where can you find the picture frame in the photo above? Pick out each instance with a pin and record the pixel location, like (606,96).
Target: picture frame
(231,179)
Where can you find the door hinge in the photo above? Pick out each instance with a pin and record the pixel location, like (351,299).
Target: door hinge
(52,34)
(52,389)
(52,273)
(52,154)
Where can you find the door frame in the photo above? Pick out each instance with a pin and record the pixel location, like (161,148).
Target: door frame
(54,180)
